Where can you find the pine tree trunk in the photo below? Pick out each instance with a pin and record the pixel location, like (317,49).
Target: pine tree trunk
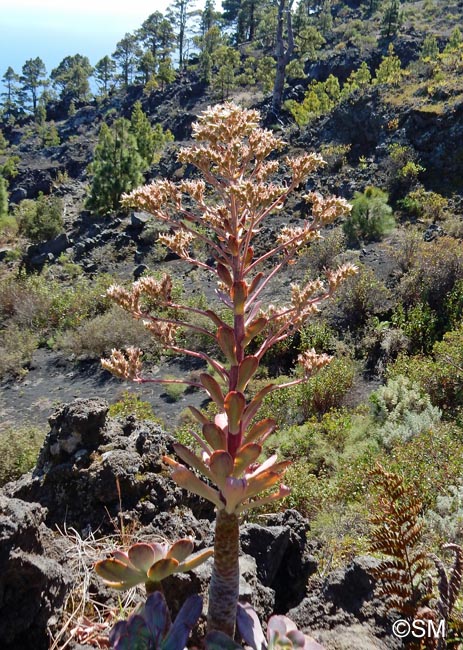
(283,56)
(224,587)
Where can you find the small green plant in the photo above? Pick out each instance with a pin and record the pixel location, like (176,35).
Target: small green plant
(19,448)
(371,216)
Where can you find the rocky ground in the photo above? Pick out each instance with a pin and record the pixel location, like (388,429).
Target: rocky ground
(94,471)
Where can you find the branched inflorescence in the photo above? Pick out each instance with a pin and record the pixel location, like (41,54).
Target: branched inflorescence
(223,214)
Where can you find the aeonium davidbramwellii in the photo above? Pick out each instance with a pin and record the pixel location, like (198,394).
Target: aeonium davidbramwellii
(224,213)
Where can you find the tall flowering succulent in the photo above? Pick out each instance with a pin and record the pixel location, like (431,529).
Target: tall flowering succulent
(224,213)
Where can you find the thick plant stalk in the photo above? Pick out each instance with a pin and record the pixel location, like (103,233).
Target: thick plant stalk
(224,587)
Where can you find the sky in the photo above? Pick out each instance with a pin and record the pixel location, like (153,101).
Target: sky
(53,29)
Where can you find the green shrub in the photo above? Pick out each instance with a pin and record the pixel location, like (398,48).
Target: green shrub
(40,220)
(426,205)
(19,448)
(17,346)
(419,324)
(131,404)
(371,217)
(441,376)
(327,389)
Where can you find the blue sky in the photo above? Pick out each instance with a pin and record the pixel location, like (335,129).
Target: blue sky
(53,29)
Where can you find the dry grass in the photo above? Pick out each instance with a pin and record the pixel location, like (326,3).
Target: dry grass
(84,618)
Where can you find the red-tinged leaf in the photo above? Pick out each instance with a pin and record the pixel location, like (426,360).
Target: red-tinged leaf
(195,560)
(121,556)
(221,466)
(246,371)
(187,480)
(118,575)
(234,406)
(249,255)
(191,459)
(234,493)
(181,549)
(239,294)
(262,482)
(224,275)
(233,245)
(214,436)
(226,341)
(213,389)
(245,456)
(253,329)
(257,279)
(261,430)
(255,404)
(162,569)
(198,416)
(213,316)
(142,556)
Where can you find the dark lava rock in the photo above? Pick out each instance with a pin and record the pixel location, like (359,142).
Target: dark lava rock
(33,584)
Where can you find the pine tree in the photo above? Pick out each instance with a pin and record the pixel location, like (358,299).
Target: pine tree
(32,79)
(140,128)
(157,36)
(104,73)
(125,56)
(71,77)
(10,104)
(116,168)
(390,69)
(179,13)
(166,72)
(392,19)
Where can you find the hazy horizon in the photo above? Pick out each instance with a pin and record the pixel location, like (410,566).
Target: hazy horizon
(52,29)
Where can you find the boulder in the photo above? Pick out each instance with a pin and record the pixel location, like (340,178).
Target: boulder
(33,584)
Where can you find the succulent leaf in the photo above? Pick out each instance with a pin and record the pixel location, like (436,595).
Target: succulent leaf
(253,329)
(181,549)
(191,459)
(254,405)
(221,466)
(199,417)
(234,493)
(162,568)
(224,275)
(195,560)
(246,371)
(234,405)
(249,627)
(245,456)
(214,436)
(130,635)
(142,556)
(118,575)
(239,294)
(261,430)
(185,621)
(186,479)
(226,341)
(212,388)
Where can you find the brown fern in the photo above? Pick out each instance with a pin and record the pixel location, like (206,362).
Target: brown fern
(397,533)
